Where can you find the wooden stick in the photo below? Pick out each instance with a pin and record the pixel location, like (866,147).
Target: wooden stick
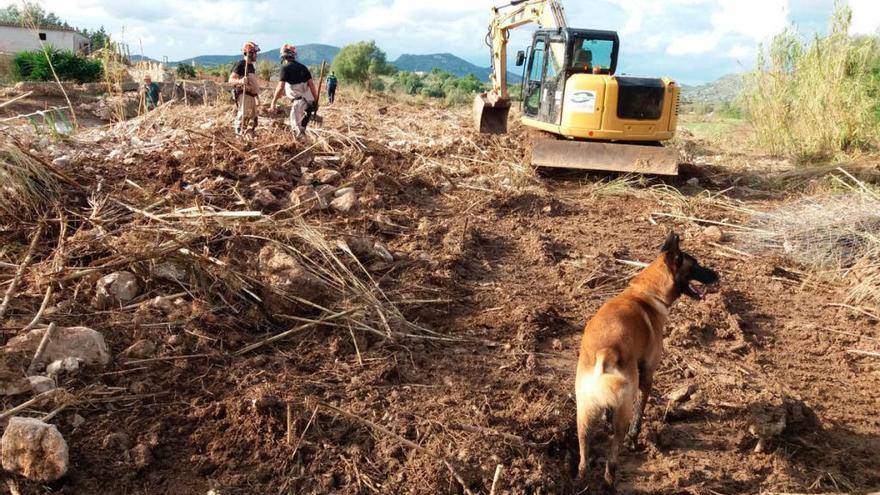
(860,184)
(21,268)
(54,412)
(711,222)
(498,469)
(288,333)
(24,405)
(863,353)
(167,358)
(19,97)
(857,310)
(305,430)
(39,315)
(41,349)
(289,425)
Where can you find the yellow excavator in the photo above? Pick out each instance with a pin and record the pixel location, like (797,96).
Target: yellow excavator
(596,119)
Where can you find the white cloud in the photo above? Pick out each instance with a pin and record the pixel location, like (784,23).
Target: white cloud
(741,52)
(866,16)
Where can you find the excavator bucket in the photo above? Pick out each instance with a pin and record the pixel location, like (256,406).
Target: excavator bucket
(641,159)
(490,118)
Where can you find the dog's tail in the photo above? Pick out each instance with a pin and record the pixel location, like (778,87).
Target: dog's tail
(607,386)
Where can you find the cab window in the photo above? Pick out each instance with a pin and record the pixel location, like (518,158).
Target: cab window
(589,53)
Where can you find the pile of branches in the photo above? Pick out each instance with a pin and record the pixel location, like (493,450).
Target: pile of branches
(247,265)
(834,235)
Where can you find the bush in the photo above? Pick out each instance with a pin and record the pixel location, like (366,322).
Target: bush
(820,98)
(33,66)
(458,97)
(186,71)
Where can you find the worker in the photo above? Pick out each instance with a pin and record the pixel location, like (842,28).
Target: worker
(247,90)
(297,84)
(152,93)
(331,86)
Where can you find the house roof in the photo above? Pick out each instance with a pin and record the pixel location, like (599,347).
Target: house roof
(41,28)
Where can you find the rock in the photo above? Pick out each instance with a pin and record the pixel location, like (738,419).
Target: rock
(693,181)
(116,289)
(714,233)
(141,349)
(169,271)
(283,276)
(343,191)
(178,155)
(61,161)
(311,198)
(326,176)
(141,456)
(40,384)
(119,442)
(80,343)
(681,394)
(34,449)
(382,252)
(264,200)
(344,203)
(76,421)
(66,365)
(11,383)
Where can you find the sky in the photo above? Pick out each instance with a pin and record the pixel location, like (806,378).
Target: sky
(693,41)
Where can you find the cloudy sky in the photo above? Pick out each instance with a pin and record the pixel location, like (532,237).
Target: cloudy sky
(692,40)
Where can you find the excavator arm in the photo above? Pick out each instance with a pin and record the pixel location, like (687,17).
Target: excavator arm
(491,108)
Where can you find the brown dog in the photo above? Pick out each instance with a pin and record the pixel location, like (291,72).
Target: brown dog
(622,345)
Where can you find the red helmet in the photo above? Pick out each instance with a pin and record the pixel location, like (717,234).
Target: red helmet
(288,52)
(250,46)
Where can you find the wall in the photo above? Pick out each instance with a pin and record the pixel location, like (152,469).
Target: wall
(14,39)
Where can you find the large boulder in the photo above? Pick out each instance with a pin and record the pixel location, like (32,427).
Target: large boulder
(116,289)
(80,343)
(34,449)
(286,281)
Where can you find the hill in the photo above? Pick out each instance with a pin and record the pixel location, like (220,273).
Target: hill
(723,90)
(448,62)
(310,54)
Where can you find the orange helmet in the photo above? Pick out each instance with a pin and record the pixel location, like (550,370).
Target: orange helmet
(250,46)
(288,52)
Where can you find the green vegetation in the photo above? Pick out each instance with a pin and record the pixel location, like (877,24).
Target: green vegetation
(186,71)
(820,98)
(439,84)
(266,69)
(362,63)
(34,66)
(30,14)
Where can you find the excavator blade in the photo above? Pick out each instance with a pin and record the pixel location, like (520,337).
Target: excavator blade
(613,157)
(490,118)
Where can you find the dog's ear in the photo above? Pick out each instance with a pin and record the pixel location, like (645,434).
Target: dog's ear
(671,250)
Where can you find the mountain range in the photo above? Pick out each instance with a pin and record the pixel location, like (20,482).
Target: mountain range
(314,54)
(723,90)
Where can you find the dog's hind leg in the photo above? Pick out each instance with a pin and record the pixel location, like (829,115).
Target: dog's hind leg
(586,416)
(646,382)
(622,416)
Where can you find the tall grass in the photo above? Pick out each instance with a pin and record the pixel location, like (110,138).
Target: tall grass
(818,98)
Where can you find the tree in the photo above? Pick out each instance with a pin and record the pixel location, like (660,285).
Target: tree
(186,71)
(98,39)
(30,13)
(361,63)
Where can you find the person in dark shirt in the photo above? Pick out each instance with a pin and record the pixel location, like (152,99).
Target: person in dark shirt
(332,83)
(297,84)
(247,89)
(152,93)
